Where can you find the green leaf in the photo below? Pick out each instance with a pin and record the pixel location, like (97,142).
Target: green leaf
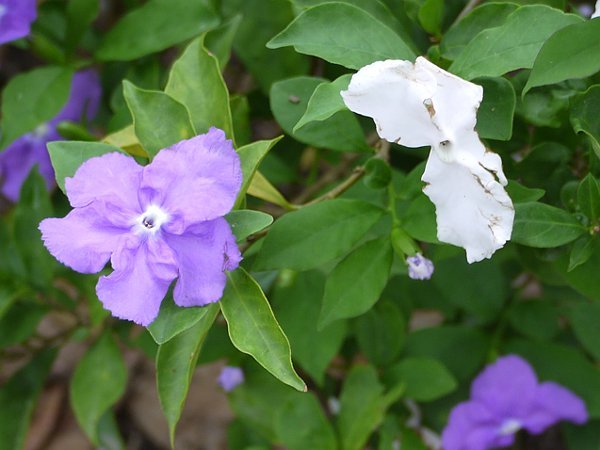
(362,407)
(512,45)
(585,318)
(430,16)
(195,81)
(246,222)
(535,319)
(325,101)
(254,330)
(156,25)
(495,114)
(173,320)
(31,99)
(522,194)
(584,277)
(298,306)
(67,156)
(80,14)
(289,100)
(18,396)
(251,156)
(220,40)
(175,365)
(581,252)
(418,220)
(262,188)
(320,232)
(486,16)
(585,109)
(342,34)
(315,433)
(425,379)
(20,322)
(588,197)
(356,283)
(544,226)
(572,52)
(158,119)
(102,368)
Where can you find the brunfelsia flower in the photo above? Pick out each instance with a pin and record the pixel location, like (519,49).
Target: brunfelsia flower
(419,267)
(420,105)
(230,377)
(16,17)
(505,398)
(155,223)
(17,160)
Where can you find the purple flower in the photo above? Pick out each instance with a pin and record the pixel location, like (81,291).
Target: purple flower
(419,267)
(16,17)
(230,377)
(17,160)
(505,398)
(155,223)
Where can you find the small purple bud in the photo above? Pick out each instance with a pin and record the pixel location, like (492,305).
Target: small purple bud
(230,377)
(419,267)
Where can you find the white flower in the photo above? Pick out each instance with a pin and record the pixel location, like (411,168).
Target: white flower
(597,11)
(420,105)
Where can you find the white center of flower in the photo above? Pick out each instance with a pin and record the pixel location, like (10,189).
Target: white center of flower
(151,220)
(40,131)
(510,426)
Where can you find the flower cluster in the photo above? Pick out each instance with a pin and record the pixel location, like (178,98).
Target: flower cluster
(505,398)
(419,267)
(17,160)
(16,17)
(155,223)
(420,105)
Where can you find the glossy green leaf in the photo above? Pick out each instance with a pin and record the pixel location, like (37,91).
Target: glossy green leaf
(585,318)
(220,40)
(362,407)
(588,197)
(297,306)
(585,110)
(103,368)
(535,319)
(581,251)
(156,25)
(246,222)
(425,379)
(251,156)
(20,322)
(356,283)
(512,45)
(175,365)
(315,433)
(158,119)
(31,99)
(18,396)
(342,34)
(381,332)
(573,52)
(495,114)
(254,330)
(321,232)
(67,156)
(541,225)
(325,101)
(289,100)
(173,319)
(378,173)
(80,14)
(522,194)
(584,277)
(195,81)
(430,16)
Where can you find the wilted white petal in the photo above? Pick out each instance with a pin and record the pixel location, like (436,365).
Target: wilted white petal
(420,104)
(597,11)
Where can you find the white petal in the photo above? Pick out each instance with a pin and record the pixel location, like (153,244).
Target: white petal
(597,11)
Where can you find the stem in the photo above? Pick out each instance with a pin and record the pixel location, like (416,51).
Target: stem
(466,10)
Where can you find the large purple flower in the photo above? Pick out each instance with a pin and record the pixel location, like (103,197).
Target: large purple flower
(17,160)
(505,398)
(16,17)
(154,223)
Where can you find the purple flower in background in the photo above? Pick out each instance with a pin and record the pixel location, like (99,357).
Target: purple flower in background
(16,17)
(505,398)
(419,267)
(155,223)
(17,160)
(230,377)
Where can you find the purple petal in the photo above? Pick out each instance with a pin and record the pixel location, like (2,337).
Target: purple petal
(507,386)
(195,180)
(83,240)
(471,426)
(552,404)
(84,98)
(143,272)
(17,160)
(230,377)
(16,17)
(113,178)
(203,254)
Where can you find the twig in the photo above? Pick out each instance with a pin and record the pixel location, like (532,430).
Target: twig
(466,10)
